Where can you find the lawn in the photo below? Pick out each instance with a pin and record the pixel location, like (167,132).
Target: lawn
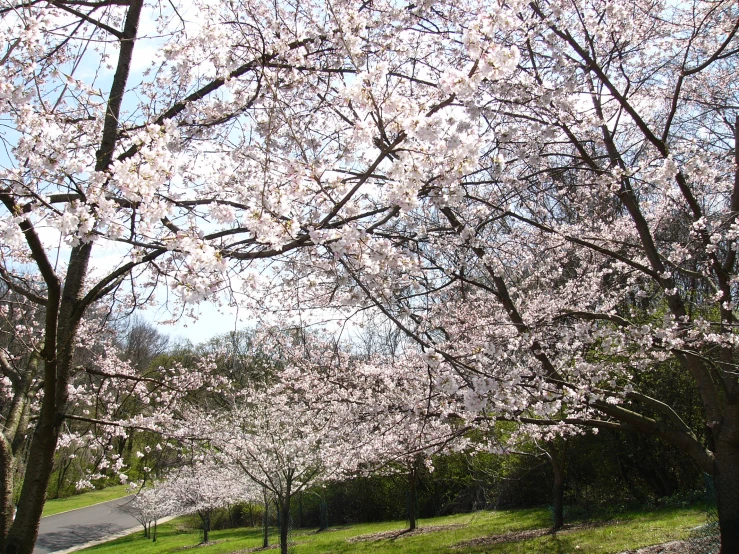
(519,531)
(59,505)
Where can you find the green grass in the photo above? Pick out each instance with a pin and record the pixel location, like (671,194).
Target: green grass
(630,530)
(59,505)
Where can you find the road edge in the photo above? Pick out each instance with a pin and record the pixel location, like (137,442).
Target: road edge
(89,506)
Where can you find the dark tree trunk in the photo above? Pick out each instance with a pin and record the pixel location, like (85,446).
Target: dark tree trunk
(284,507)
(64,310)
(412,497)
(265,521)
(558,497)
(557,461)
(284,523)
(726,478)
(23,532)
(205,517)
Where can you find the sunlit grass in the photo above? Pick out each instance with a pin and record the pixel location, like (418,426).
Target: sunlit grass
(627,531)
(83,500)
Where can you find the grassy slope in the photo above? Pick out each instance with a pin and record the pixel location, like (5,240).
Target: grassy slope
(83,500)
(630,530)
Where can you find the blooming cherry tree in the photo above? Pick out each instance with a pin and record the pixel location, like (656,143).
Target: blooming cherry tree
(582,235)
(515,186)
(202,488)
(258,130)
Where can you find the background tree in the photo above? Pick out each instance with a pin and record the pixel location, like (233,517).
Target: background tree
(203,488)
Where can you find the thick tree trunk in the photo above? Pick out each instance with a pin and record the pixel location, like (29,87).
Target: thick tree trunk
(6,489)
(64,310)
(23,532)
(726,478)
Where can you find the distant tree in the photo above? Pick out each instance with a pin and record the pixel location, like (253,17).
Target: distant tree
(202,488)
(142,342)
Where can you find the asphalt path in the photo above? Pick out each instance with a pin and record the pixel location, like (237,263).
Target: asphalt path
(67,530)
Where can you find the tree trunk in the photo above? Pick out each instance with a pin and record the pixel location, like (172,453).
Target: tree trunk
(205,516)
(265,521)
(558,496)
(412,497)
(64,310)
(10,440)
(323,516)
(726,478)
(284,506)
(23,532)
(557,461)
(6,489)
(285,523)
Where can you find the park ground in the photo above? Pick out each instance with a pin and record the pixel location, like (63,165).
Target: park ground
(507,531)
(59,505)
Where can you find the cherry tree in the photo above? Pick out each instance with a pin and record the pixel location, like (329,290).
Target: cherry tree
(515,185)
(569,229)
(150,505)
(203,488)
(393,416)
(278,444)
(248,138)
(108,398)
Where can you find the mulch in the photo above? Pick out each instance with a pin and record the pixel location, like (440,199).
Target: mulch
(393,535)
(516,536)
(676,547)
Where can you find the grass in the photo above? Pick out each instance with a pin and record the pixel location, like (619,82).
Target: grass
(59,505)
(629,530)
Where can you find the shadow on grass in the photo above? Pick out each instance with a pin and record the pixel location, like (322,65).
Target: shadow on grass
(397,534)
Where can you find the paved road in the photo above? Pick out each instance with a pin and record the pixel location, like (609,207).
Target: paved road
(78,527)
